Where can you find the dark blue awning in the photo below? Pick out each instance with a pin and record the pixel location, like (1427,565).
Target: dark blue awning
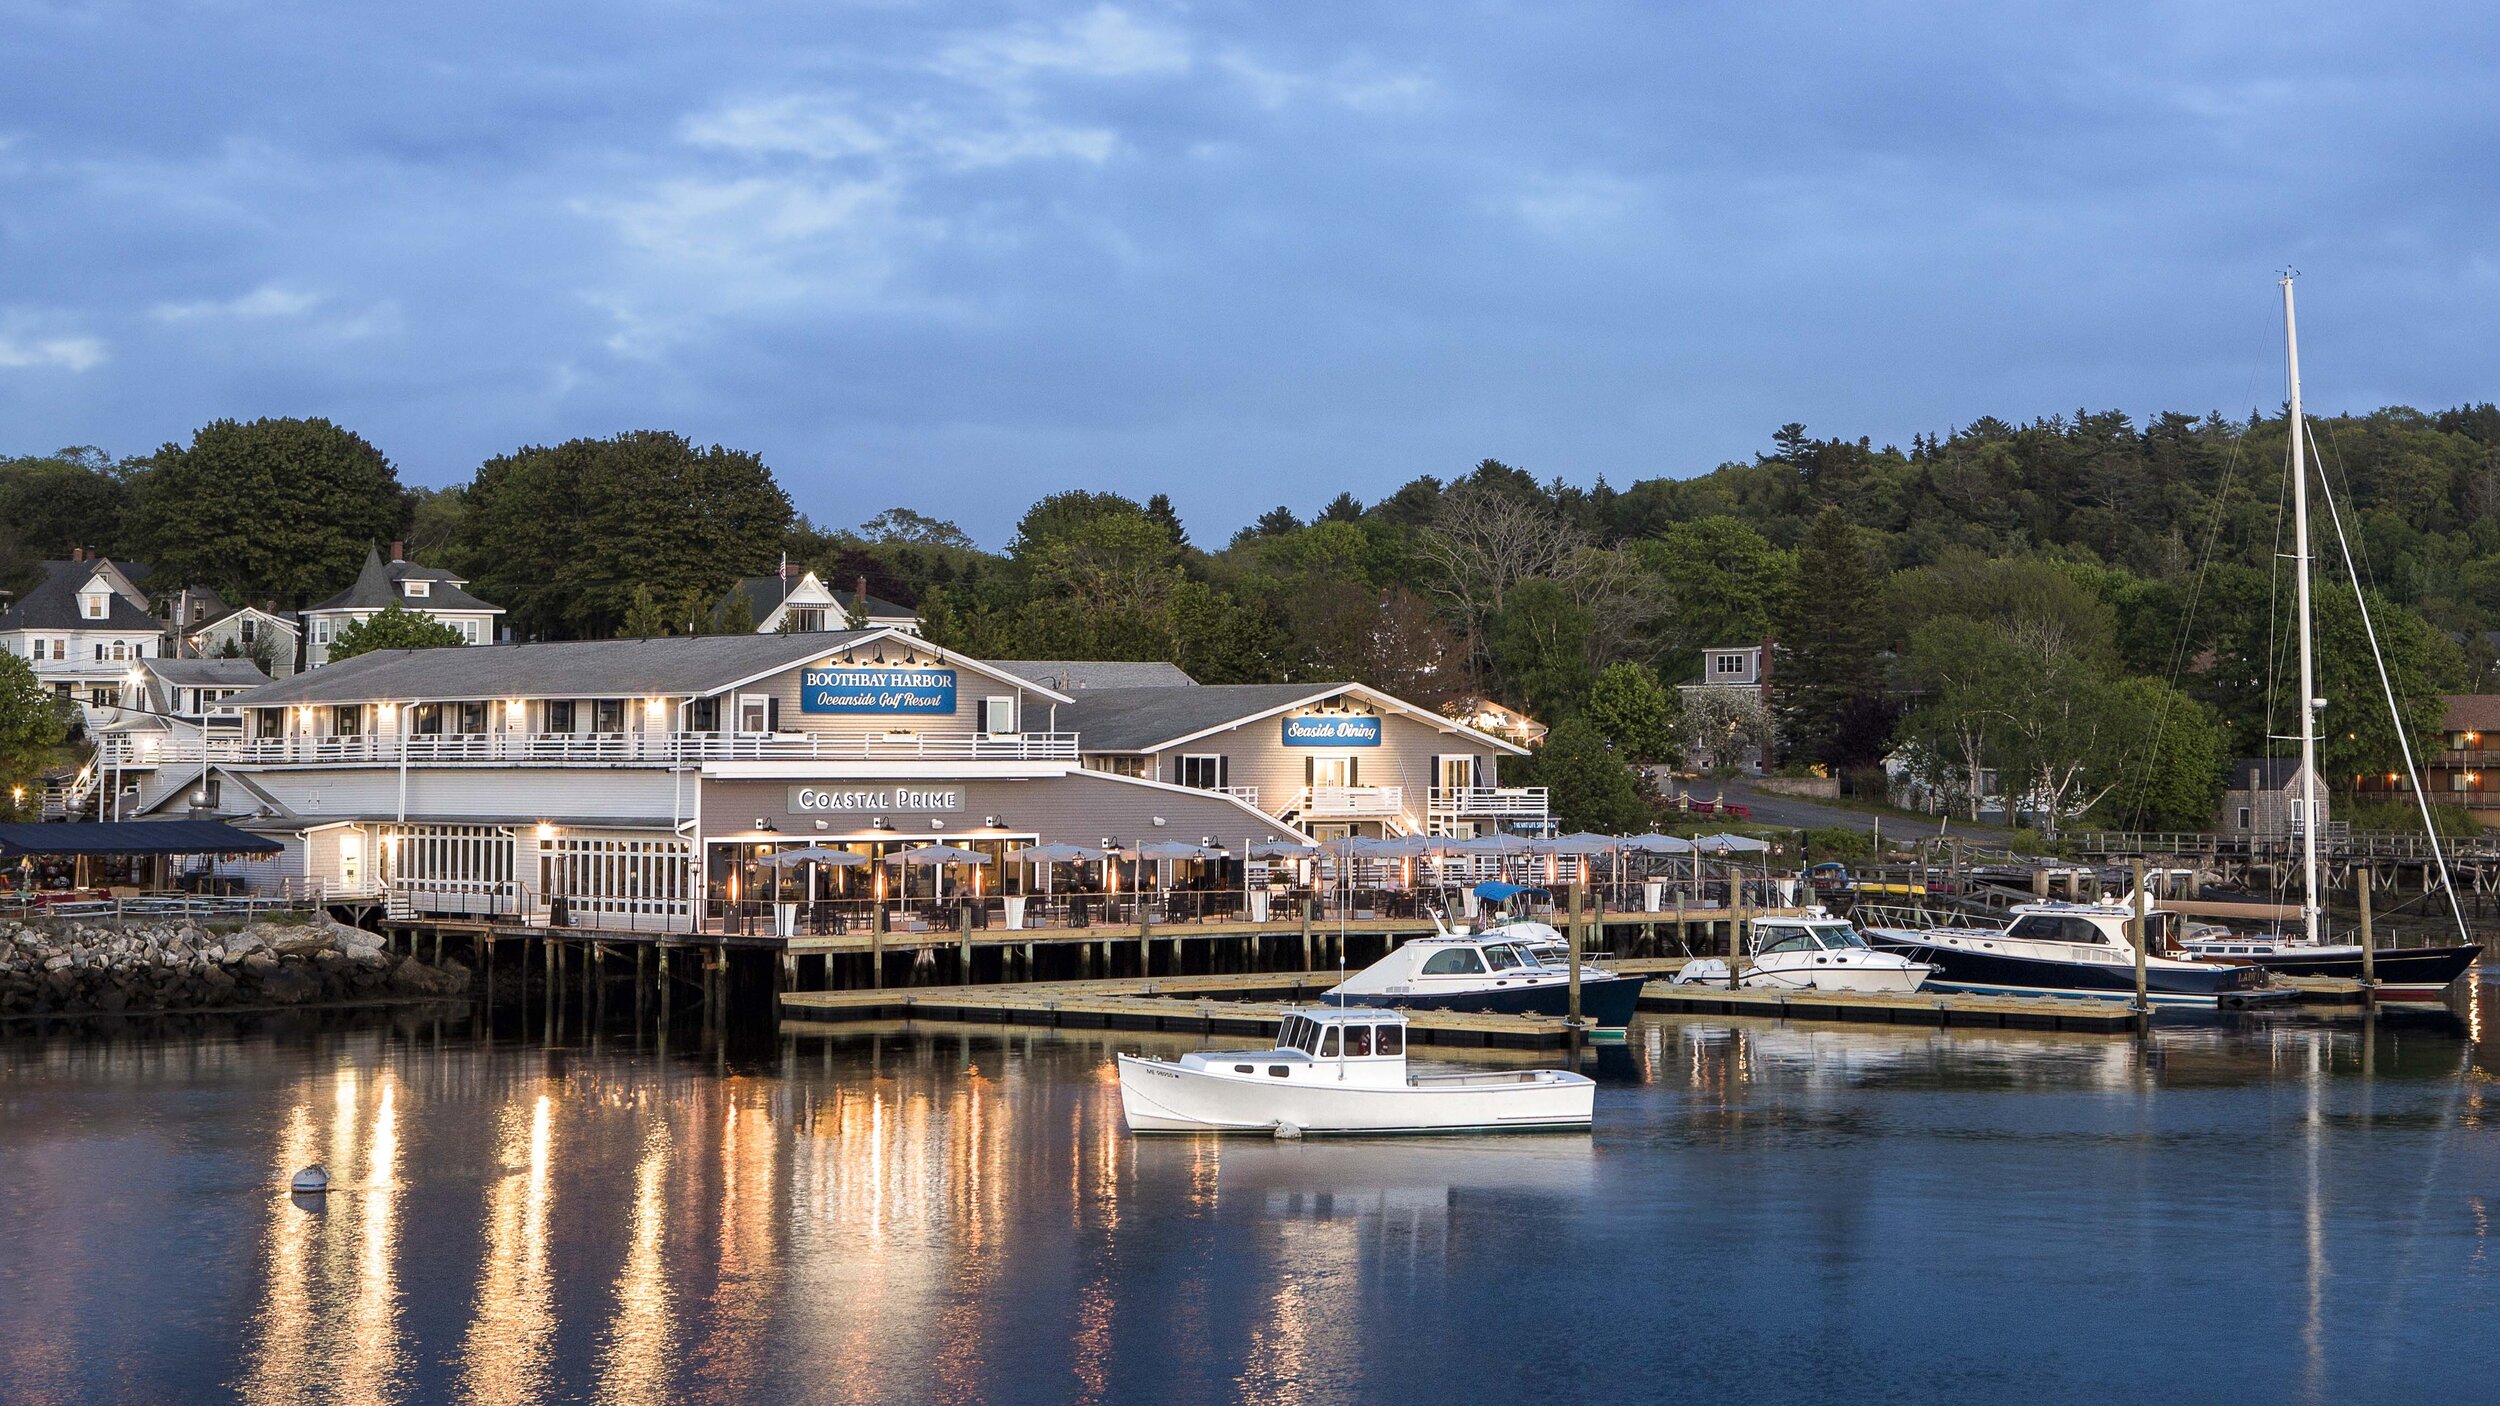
(1495,891)
(132,837)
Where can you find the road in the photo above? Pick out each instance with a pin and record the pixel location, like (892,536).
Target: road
(1799,812)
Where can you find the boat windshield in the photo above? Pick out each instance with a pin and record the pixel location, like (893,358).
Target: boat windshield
(2055,927)
(1839,937)
(1504,956)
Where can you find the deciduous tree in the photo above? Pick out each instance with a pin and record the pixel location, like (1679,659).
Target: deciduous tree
(393,627)
(280,510)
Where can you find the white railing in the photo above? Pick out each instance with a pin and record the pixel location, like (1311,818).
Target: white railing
(582,747)
(1489,800)
(1247,795)
(1351,800)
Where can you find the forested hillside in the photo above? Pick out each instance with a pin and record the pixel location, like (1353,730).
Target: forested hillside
(2088,606)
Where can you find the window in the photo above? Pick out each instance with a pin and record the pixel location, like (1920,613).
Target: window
(998,716)
(1329,771)
(427,720)
(607,715)
(121,650)
(346,720)
(703,715)
(559,715)
(1727,664)
(321,630)
(1204,772)
(99,650)
(269,722)
(1328,1043)
(473,717)
(1358,1042)
(1458,961)
(1785,939)
(2049,927)
(755,713)
(416,590)
(1393,1039)
(2247,818)
(97,606)
(468,632)
(249,630)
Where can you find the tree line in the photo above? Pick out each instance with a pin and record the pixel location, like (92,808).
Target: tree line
(2084,612)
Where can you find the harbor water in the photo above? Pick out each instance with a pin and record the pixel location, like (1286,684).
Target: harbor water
(2262,1209)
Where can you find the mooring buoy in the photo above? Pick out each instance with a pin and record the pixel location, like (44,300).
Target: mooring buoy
(311,1181)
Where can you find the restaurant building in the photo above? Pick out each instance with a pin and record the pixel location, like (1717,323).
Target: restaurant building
(641,783)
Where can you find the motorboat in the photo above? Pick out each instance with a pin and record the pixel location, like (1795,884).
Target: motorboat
(2418,974)
(2065,949)
(1817,952)
(1517,966)
(1344,1070)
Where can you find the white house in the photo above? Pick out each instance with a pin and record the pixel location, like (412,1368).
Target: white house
(426,590)
(82,627)
(803,603)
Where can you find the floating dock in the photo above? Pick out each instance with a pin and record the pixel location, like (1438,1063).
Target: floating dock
(1252,1004)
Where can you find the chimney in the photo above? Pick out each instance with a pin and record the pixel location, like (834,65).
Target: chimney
(399,550)
(77,554)
(859,597)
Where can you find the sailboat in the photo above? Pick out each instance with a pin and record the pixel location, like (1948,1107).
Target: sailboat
(2406,973)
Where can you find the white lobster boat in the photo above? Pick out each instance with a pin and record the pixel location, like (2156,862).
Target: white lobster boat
(1817,952)
(1343,1070)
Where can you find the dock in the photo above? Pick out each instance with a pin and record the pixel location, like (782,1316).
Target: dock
(1253,1004)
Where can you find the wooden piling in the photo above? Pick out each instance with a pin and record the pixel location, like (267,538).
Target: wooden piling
(1572,941)
(2143,997)
(2369,959)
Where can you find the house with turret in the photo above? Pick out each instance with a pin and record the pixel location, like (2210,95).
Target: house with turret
(423,590)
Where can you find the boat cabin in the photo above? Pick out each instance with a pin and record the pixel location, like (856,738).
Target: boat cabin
(2092,924)
(1353,1032)
(1811,934)
(1464,961)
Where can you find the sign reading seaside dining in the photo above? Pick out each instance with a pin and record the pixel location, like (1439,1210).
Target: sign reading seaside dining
(876,690)
(806,800)
(1333,730)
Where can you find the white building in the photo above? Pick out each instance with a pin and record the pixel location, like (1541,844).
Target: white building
(82,627)
(644,783)
(425,590)
(790,604)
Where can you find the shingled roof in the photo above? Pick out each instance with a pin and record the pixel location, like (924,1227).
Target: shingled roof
(53,603)
(1086,675)
(377,587)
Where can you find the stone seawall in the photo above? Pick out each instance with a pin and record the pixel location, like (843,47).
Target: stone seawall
(68,966)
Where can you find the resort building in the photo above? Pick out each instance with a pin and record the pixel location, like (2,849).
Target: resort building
(426,590)
(2465,771)
(648,783)
(1330,759)
(82,627)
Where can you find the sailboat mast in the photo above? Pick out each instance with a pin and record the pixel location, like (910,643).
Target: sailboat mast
(2308,662)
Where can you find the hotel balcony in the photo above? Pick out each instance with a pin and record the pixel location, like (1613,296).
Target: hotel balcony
(1488,802)
(585,748)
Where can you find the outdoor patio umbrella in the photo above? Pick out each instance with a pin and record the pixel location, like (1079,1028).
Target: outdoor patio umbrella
(1659,844)
(1048,857)
(812,856)
(1170,849)
(938,856)
(1282,849)
(1731,844)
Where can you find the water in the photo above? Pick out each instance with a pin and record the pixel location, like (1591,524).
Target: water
(2272,1210)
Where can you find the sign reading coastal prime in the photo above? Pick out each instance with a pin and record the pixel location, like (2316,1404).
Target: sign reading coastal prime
(1332,730)
(877,691)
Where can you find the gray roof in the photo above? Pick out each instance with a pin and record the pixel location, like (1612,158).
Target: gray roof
(764,594)
(283,617)
(1082,675)
(208,673)
(636,668)
(376,587)
(1137,719)
(53,602)
(2273,773)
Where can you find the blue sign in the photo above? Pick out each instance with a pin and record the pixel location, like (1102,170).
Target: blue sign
(1333,730)
(888,691)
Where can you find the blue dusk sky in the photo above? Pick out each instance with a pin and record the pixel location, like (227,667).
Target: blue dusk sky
(956,256)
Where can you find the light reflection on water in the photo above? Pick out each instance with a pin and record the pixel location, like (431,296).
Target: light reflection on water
(955,1214)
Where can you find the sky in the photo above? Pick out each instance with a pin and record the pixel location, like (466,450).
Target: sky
(953,257)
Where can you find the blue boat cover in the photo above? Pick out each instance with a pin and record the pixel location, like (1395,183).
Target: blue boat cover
(1495,891)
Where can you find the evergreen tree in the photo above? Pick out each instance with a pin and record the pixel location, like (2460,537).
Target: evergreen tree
(1828,681)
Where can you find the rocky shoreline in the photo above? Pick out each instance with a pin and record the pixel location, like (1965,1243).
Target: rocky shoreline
(72,967)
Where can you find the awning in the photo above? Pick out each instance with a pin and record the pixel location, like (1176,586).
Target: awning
(133,837)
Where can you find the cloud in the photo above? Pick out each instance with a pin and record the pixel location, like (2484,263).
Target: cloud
(827,130)
(268,300)
(1356,87)
(1104,42)
(1584,203)
(23,349)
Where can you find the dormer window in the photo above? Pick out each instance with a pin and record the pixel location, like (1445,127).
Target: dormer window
(97,607)
(1729,664)
(415,588)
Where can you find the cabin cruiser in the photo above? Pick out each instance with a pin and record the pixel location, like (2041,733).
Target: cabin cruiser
(1515,967)
(2065,949)
(1343,1070)
(2403,973)
(1817,952)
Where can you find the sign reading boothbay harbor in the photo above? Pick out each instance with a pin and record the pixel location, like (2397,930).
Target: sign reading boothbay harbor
(806,800)
(1333,730)
(877,690)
